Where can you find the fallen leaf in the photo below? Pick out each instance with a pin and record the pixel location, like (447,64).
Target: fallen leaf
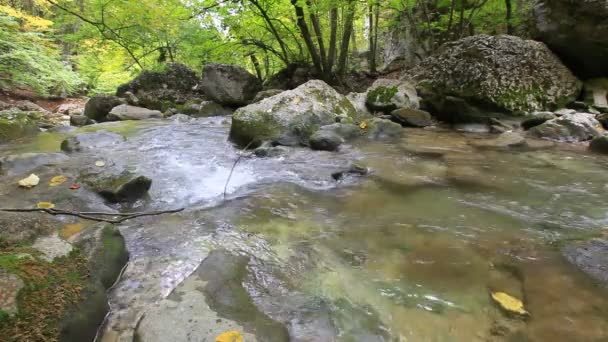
(100,163)
(70,230)
(297,100)
(509,303)
(45,205)
(363,125)
(230,336)
(29,182)
(74,186)
(58,180)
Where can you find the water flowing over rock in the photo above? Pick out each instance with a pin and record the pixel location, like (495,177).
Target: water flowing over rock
(99,106)
(576,30)
(304,109)
(229,85)
(91,141)
(126,112)
(569,128)
(495,73)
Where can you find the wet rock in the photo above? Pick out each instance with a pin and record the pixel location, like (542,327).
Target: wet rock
(386,95)
(207,108)
(181,118)
(537,118)
(344,130)
(28,106)
(264,94)
(603,119)
(16,124)
(303,110)
(412,117)
(16,228)
(591,257)
(10,285)
(358,101)
(80,120)
(119,188)
(599,144)
(576,31)
(353,169)
(131,98)
(324,140)
(99,106)
(229,85)
(503,141)
(52,247)
(379,129)
(269,151)
(495,73)
(27,162)
(565,111)
(569,128)
(578,105)
(91,141)
(127,112)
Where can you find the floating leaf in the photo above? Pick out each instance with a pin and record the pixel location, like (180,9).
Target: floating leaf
(45,205)
(509,303)
(30,181)
(74,186)
(363,125)
(58,180)
(100,163)
(230,336)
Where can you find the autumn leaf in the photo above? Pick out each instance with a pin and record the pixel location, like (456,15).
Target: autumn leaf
(100,163)
(363,125)
(230,336)
(58,180)
(74,186)
(509,303)
(297,100)
(29,182)
(45,205)
(70,230)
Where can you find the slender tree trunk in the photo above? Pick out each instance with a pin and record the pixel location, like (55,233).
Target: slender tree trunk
(256,65)
(509,8)
(451,21)
(371,58)
(348,29)
(333,23)
(316,25)
(305,32)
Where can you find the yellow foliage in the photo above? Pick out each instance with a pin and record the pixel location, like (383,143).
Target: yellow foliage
(30,22)
(45,205)
(363,125)
(509,303)
(230,336)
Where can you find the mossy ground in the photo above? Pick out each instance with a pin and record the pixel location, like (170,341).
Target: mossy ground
(50,288)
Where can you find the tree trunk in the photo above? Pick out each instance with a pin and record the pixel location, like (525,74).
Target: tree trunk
(348,29)
(256,65)
(273,30)
(305,32)
(316,25)
(333,19)
(509,7)
(371,58)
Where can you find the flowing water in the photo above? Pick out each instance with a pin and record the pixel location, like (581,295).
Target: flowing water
(410,252)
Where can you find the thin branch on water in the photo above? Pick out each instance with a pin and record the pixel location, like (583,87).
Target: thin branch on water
(91,215)
(233,167)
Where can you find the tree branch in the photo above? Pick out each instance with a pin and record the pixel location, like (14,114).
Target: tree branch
(91,215)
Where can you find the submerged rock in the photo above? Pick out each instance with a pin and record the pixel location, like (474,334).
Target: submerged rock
(99,106)
(124,187)
(127,112)
(379,129)
(412,117)
(537,118)
(569,128)
(386,95)
(591,257)
(297,112)
(495,73)
(229,85)
(503,141)
(27,162)
(599,144)
(91,141)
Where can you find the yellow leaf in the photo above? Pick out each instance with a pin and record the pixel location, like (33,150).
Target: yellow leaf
(230,336)
(100,163)
(45,205)
(363,125)
(509,303)
(70,230)
(29,182)
(297,100)
(58,180)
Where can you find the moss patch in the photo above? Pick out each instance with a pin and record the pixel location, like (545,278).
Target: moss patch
(382,94)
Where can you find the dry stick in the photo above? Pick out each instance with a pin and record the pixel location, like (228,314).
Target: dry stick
(234,166)
(88,216)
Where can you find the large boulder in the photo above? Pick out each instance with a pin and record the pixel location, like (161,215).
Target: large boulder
(386,95)
(291,77)
(300,111)
(573,127)
(126,112)
(229,85)
(576,30)
(98,106)
(505,74)
(161,90)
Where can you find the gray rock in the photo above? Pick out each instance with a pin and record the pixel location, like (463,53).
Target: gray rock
(19,228)
(29,106)
(131,98)
(576,31)
(603,119)
(122,187)
(181,118)
(504,141)
(300,111)
(266,94)
(127,112)
(324,140)
(591,257)
(207,108)
(80,120)
(98,106)
(564,111)
(358,101)
(412,117)
(503,73)
(595,92)
(578,105)
(599,144)
(91,141)
(569,128)
(344,130)
(269,151)
(229,85)
(52,247)
(386,95)
(70,109)
(380,129)
(28,162)
(353,169)
(537,118)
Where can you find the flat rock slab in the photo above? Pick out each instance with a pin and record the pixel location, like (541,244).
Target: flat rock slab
(126,112)
(92,141)
(591,257)
(10,286)
(27,162)
(52,247)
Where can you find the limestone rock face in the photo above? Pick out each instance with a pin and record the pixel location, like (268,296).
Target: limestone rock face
(495,73)
(576,30)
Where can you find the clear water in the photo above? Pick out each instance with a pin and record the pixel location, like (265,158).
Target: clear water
(408,253)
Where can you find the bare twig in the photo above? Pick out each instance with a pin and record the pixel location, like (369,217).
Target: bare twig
(234,166)
(91,215)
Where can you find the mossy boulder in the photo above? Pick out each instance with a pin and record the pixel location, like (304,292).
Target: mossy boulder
(99,106)
(16,124)
(302,110)
(503,73)
(599,144)
(386,95)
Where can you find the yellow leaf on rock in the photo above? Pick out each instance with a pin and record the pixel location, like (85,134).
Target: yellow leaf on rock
(230,336)
(58,180)
(509,303)
(70,230)
(297,100)
(30,181)
(45,205)
(100,163)
(363,125)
